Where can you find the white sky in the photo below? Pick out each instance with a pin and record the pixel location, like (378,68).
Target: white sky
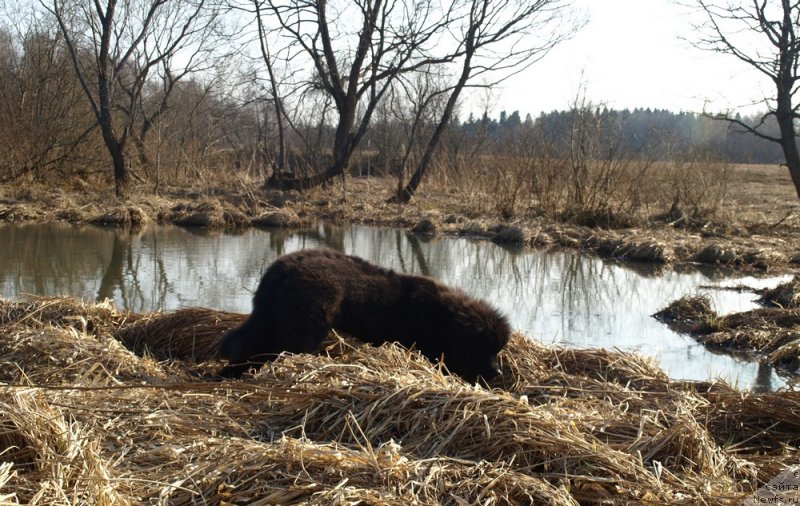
(632,54)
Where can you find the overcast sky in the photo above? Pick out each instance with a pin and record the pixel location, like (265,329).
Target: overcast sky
(632,54)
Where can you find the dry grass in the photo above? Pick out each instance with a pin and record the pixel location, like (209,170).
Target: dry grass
(770,335)
(690,314)
(185,334)
(123,216)
(785,295)
(83,419)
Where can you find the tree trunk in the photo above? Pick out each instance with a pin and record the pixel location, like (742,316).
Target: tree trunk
(789,139)
(115,149)
(121,179)
(404,195)
(792,155)
(114,145)
(342,150)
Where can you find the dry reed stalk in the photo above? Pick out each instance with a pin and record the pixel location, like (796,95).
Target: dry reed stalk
(57,459)
(635,250)
(7,474)
(279,218)
(752,422)
(771,465)
(762,318)
(772,335)
(64,356)
(294,471)
(437,415)
(189,333)
(208,213)
(627,402)
(123,216)
(717,254)
(787,355)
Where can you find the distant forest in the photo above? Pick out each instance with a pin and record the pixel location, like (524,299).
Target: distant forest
(651,134)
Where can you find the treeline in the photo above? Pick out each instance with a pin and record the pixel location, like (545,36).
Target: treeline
(651,134)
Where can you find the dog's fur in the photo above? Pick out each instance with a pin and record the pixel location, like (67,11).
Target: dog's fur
(303,295)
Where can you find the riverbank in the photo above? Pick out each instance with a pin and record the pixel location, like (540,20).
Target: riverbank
(770,335)
(757,227)
(106,406)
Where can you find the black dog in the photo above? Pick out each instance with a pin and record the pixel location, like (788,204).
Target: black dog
(303,295)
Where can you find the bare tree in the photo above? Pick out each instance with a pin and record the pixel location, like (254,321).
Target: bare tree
(114,49)
(404,120)
(764,35)
(271,59)
(357,49)
(496,38)
(154,100)
(277,99)
(43,118)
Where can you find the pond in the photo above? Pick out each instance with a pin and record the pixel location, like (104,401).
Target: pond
(556,297)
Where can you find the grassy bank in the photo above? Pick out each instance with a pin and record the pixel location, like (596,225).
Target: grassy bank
(770,334)
(104,406)
(753,225)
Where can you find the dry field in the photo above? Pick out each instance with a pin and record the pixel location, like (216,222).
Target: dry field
(100,406)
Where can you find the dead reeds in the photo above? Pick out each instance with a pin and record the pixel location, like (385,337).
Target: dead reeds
(190,333)
(122,216)
(785,295)
(771,335)
(85,419)
(690,314)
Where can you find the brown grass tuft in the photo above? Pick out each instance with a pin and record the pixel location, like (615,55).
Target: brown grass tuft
(280,218)
(770,335)
(785,295)
(122,216)
(636,250)
(425,226)
(690,314)
(86,317)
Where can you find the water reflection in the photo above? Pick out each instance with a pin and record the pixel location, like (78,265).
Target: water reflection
(555,297)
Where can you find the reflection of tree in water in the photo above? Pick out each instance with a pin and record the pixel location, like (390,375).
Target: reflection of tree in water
(112,276)
(416,250)
(763,381)
(282,241)
(52,259)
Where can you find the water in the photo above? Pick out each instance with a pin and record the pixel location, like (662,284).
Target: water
(563,298)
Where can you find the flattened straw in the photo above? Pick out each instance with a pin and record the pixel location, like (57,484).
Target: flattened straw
(189,333)
(63,311)
(689,314)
